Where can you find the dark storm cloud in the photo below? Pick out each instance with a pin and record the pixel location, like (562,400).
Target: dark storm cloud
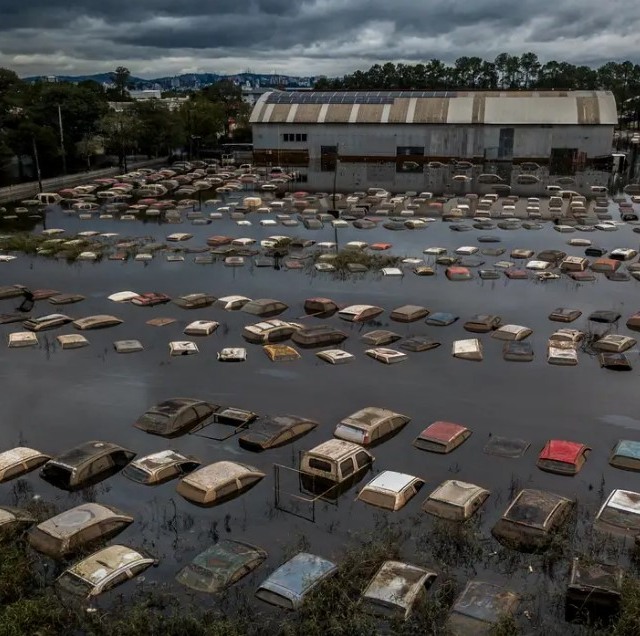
(158,37)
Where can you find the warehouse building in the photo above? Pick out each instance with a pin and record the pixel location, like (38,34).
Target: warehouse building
(421,140)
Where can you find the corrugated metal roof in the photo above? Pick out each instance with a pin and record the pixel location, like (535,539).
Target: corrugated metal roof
(437,107)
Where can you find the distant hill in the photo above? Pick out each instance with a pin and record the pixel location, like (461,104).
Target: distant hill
(191,80)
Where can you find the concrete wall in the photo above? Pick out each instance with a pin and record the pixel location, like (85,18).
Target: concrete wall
(462,142)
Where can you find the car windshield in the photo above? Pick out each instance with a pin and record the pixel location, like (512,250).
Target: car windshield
(136,474)
(352,432)
(74,584)
(155,421)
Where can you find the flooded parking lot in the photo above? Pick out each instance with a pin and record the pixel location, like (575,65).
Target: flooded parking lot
(56,399)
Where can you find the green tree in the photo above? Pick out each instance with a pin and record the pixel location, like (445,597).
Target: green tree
(120,78)
(228,96)
(530,68)
(203,122)
(119,130)
(158,129)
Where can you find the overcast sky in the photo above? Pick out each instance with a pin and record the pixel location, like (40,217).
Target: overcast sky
(304,37)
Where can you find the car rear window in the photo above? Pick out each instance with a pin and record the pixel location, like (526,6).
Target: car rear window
(620,518)
(553,464)
(274,599)
(353,433)
(377,498)
(154,421)
(74,584)
(430,445)
(319,464)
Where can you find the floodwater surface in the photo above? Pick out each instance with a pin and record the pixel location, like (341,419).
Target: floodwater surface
(55,399)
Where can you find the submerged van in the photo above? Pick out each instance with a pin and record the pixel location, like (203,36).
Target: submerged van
(334,463)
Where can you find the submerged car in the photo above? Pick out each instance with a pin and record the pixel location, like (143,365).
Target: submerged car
(194,301)
(14,521)
(51,321)
(275,431)
(220,566)
(391,490)
(218,482)
(175,416)
(77,528)
(318,336)
(480,607)
(19,461)
(482,323)
(626,455)
(620,514)
(288,586)
(359,313)
(442,437)
(100,321)
(455,500)
(104,570)
(333,463)
(160,467)
(370,425)
(274,330)
(86,464)
(264,307)
(395,588)
(562,457)
(532,519)
(150,299)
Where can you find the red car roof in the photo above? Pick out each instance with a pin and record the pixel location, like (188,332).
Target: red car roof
(443,431)
(561,451)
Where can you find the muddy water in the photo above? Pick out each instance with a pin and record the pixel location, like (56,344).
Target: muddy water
(54,399)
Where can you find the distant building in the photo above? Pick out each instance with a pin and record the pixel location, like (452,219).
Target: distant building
(146,94)
(173,103)
(250,94)
(405,140)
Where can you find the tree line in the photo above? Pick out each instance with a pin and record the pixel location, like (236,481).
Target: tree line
(508,72)
(71,127)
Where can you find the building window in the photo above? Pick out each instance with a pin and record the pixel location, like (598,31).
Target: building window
(294,137)
(328,158)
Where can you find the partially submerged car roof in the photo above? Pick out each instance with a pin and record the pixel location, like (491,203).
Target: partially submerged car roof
(534,508)
(296,577)
(479,606)
(18,455)
(335,449)
(155,462)
(78,455)
(98,566)
(76,519)
(213,475)
(370,417)
(219,563)
(397,584)
(390,481)
(96,322)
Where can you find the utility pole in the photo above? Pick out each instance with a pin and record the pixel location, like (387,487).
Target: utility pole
(64,154)
(36,161)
